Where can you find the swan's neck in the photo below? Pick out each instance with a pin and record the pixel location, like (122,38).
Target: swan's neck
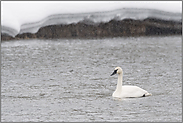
(119,84)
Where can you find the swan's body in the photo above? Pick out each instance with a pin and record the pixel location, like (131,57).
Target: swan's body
(127,90)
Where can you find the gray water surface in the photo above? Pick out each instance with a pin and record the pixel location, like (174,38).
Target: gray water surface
(69,80)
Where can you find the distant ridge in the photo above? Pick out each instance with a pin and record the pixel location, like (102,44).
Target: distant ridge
(121,22)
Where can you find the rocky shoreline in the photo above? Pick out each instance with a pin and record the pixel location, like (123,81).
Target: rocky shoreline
(114,28)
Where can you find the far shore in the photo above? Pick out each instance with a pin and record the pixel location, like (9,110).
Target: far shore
(114,28)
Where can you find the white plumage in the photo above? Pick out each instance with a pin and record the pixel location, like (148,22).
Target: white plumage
(127,90)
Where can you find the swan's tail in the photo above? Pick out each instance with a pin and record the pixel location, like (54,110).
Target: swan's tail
(148,94)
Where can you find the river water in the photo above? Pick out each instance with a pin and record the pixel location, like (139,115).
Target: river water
(69,79)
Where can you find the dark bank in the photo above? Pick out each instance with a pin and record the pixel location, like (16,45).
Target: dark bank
(114,28)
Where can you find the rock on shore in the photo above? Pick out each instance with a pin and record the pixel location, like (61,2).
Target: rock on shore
(114,28)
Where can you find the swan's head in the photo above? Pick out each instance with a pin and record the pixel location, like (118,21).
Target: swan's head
(117,70)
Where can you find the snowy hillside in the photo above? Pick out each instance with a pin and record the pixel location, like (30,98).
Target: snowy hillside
(29,17)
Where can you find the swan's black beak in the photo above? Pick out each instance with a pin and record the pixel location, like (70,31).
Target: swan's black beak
(115,71)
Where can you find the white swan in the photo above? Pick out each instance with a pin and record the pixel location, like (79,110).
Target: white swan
(127,90)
